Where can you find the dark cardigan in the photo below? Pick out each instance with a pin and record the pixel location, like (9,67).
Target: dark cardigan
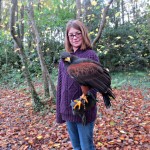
(68,89)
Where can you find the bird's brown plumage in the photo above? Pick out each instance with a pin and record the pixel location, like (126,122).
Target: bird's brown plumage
(90,74)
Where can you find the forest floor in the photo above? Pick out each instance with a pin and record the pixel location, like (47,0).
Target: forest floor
(125,127)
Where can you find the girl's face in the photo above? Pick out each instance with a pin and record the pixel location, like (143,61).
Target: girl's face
(75,38)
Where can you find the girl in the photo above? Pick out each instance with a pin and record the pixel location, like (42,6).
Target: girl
(77,42)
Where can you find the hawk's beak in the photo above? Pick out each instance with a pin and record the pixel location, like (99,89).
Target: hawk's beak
(67,59)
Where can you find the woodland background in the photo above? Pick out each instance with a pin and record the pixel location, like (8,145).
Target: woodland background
(31,40)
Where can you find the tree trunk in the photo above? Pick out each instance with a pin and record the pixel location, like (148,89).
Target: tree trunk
(133,10)
(102,23)
(117,18)
(49,86)
(136,10)
(39,5)
(22,24)
(78,8)
(122,8)
(0,12)
(35,99)
(86,5)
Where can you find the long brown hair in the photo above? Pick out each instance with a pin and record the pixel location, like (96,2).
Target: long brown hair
(78,25)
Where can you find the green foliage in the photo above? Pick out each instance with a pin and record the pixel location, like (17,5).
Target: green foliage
(8,58)
(12,79)
(54,75)
(93,15)
(124,48)
(50,17)
(53,13)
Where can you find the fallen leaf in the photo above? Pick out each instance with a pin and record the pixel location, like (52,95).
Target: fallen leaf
(39,137)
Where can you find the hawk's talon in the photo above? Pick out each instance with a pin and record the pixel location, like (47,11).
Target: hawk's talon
(83,96)
(78,104)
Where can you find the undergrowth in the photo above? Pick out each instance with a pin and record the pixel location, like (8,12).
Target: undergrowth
(137,79)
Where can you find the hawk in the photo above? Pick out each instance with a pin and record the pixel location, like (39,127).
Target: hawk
(89,74)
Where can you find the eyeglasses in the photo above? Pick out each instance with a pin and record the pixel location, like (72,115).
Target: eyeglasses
(77,35)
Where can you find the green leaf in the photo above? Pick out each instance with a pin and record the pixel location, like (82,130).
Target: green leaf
(94,3)
(131,37)
(117,14)
(112,123)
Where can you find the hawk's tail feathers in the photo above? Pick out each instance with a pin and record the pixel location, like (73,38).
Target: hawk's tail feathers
(106,99)
(110,93)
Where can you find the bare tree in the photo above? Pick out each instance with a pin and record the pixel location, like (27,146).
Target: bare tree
(18,40)
(102,23)
(49,86)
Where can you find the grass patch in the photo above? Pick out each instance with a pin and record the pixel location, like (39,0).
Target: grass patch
(135,79)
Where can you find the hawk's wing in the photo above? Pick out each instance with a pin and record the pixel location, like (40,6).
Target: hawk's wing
(90,74)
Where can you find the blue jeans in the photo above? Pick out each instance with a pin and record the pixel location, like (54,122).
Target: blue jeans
(81,136)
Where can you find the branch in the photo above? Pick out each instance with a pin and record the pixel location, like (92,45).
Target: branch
(78,9)
(12,24)
(30,14)
(102,23)
(22,24)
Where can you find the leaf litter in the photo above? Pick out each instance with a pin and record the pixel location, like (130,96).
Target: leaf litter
(126,126)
